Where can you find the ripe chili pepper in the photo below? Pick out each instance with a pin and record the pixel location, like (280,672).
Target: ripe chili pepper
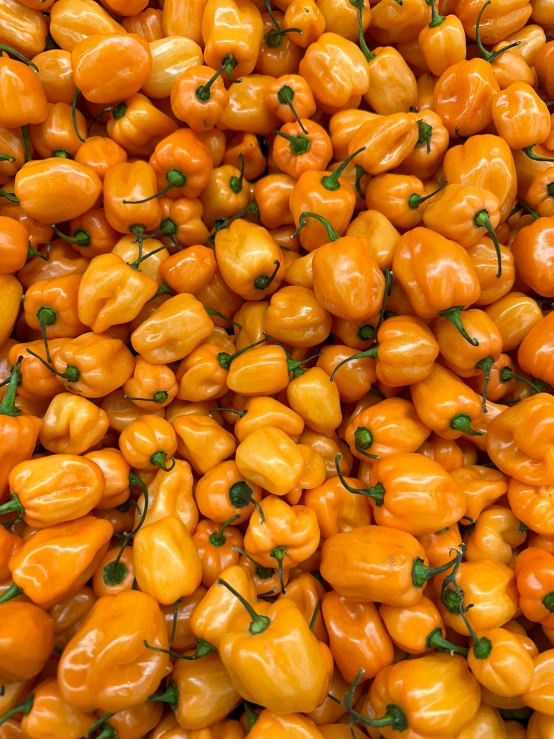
(148,442)
(376,580)
(281,628)
(22,100)
(169,494)
(129,663)
(203,442)
(482,486)
(496,534)
(19,431)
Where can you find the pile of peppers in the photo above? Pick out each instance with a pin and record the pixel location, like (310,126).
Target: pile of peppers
(276,369)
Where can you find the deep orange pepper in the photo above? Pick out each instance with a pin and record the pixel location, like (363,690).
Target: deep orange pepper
(496,534)
(232,34)
(424,159)
(115,572)
(358,637)
(19,82)
(278,54)
(301,146)
(355,378)
(55,489)
(198,97)
(182,164)
(497,21)
(146,23)
(321,65)
(130,63)
(442,42)
(417,628)
(386,142)
(272,194)
(484,161)
(91,234)
(69,614)
(28,640)
(51,307)
(56,136)
(148,442)
(308,18)
(56,75)
(115,471)
(217,547)
(136,125)
(223,493)
(54,190)
(166,546)
(246,110)
(225,195)
(514,315)
(130,662)
(68,554)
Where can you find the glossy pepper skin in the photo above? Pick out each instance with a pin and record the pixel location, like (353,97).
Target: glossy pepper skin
(359,565)
(27,641)
(56,489)
(129,672)
(58,560)
(285,640)
(518,440)
(357,636)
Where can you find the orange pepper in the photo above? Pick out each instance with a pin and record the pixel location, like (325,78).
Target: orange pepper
(308,18)
(151,385)
(201,690)
(182,220)
(56,135)
(19,82)
(232,34)
(532,248)
(55,489)
(388,428)
(358,637)
(278,629)
(115,472)
(68,554)
(531,505)
(182,164)
(217,547)
(272,195)
(166,546)
(154,339)
(69,614)
(481,486)
(203,442)
(447,288)
(518,441)
(417,628)
(442,42)
(385,142)
(51,307)
(337,508)
(376,564)
(424,159)
(484,161)
(490,259)
(171,56)
(56,75)
(300,147)
(269,458)
(246,110)
(18,431)
(37,382)
(263,411)
(75,20)
(183,20)
(278,54)
(72,425)
(497,21)
(489,586)
(198,97)
(219,608)
(108,82)
(28,640)
(54,190)
(92,235)
(519,99)
(297,318)
(245,146)
(354,379)
(249,260)
(147,442)
(496,534)
(169,494)
(147,23)
(336,72)
(515,314)
(402,199)
(223,493)
(130,663)
(115,572)
(200,376)
(225,195)
(447,710)
(136,125)
(393,86)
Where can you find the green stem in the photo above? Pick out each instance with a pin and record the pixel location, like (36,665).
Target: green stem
(159,397)
(235,183)
(415,200)
(27,143)
(251,716)
(360,173)
(453,314)
(421,573)
(298,144)
(278,553)
(483,220)
(7,406)
(25,708)
(363,439)
(548,602)
(315,614)
(224,358)
(46,317)
(175,617)
(488,56)
(214,312)
(227,410)
(174,177)
(159,460)
(274,39)
(361,355)
(262,282)
(436,19)
(218,539)
(99,724)
(262,573)
(285,96)
(17,55)
(331,233)
(240,495)
(202,649)
(506,374)
(171,694)
(71,373)
(425,134)
(462,422)
(437,640)
(12,592)
(77,95)
(485,365)
(222,223)
(361,40)
(377,492)
(80,237)
(9,196)
(528,151)
(331,182)
(394,716)
(34,253)
(259,623)
(140,260)
(204,91)
(13,505)
(134,480)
